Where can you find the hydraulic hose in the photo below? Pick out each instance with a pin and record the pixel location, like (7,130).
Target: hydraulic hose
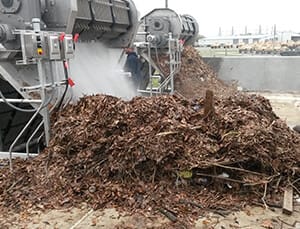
(67,85)
(15,107)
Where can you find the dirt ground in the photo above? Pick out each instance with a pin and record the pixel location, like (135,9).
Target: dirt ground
(287,106)
(251,217)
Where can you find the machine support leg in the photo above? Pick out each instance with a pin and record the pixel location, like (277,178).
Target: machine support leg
(171,63)
(44,111)
(150,69)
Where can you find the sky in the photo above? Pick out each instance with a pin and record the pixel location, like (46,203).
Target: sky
(213,14)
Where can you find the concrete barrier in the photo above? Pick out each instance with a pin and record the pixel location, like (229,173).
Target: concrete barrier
(259,73)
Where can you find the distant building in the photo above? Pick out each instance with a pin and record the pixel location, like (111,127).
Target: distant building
(235,40)
(288,36)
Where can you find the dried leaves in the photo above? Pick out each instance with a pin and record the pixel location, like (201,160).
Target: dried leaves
(112,153)
(160,153)
(195,77)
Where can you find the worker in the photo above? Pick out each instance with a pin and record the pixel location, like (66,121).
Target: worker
(133,65)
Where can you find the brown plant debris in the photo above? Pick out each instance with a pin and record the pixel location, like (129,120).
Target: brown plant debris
(158,154)
(195,77)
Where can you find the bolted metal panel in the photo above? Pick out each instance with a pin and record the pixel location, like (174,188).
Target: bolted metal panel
(10,6)
(160,26)
(83,18)
(56,14)
(54,47)
(103,19)
(102,11)
(190,29)
(189,25)
(6,33)
(7,3)
(19,14)
(111,21)
(121,13)
(128,29)
(84,12)
(160,22)
(31,9)
(185,26)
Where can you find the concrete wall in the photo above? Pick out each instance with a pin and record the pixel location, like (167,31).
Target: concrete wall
(275,74)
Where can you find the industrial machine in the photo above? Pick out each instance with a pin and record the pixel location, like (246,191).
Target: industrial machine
(162,33)
(55,51)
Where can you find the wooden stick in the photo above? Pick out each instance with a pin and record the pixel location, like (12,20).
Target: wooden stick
(167,133)
(14,184)
(209,104)
(288,201)
(168,214)
(238,169)
(263,199)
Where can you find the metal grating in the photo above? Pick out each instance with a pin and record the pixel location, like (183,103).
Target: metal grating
(84,12)
(102,11)
(121,13)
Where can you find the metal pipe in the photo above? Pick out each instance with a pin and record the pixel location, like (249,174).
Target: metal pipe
(145,91)
(14,107)
(3,155)
(36,24)
(171,64)
(53,107)
(53,65)
(59,91)
(166,3)
(38,87)
(44,111)
(42,107)
(21,147)
(30,138)
(20,100)
(150,68)
(21,133)
(142,33)
(42,122)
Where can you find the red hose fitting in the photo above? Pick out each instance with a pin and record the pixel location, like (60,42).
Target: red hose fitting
(76,37)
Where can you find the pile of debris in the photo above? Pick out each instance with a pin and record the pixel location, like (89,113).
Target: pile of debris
(162,154)
(195,77)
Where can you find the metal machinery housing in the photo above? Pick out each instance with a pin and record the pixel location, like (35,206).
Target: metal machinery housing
(39,52)
(163,32)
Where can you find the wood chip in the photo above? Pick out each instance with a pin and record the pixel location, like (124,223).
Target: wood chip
(288,201)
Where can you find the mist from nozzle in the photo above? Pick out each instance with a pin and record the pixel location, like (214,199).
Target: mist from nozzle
(96,69)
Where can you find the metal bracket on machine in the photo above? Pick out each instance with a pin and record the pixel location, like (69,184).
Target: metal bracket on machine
(163,33)
(174,49)
(47,46)
(41,49)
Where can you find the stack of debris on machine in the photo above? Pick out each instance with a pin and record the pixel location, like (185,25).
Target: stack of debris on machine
(162,154)
(195,76)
